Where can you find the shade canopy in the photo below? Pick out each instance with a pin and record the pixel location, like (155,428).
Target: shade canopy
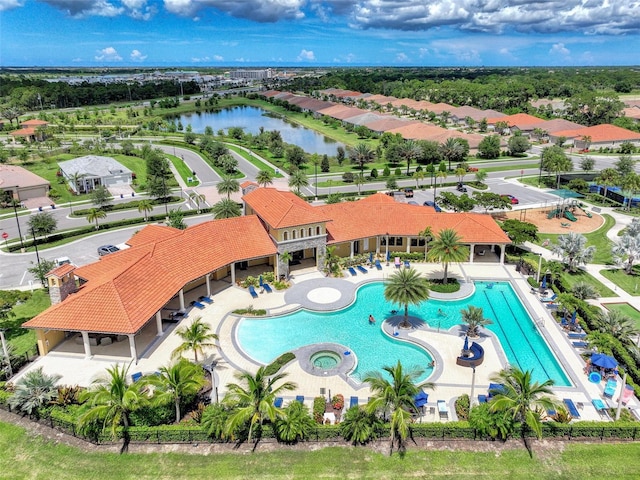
(604,361)
(421,399)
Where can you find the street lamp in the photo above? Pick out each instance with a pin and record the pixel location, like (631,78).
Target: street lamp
(214,390)
(541,161)
(35,245)
(315,166)
(539,267)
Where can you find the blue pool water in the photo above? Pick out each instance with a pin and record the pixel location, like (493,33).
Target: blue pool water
(266,339)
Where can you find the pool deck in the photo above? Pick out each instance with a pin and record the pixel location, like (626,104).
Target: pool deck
(311,289)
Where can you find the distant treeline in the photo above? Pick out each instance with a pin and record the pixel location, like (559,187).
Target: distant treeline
(33,94)
(503,89)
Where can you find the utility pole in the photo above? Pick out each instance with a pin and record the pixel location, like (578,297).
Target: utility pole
(14,203)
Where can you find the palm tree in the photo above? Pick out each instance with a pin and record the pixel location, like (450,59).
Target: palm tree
(427,234)
(285,258)
(396,396)
(296,424)
(618,325)
(608,178)
(410,150)
(584,291)
(360,426)
(523,399)
(406,287)
(228,185)
(297,180)
(175,382)
(447,248)
(94,215)
(264,178)
(197,198)
(145,206)
(359,181)
(362,154)
(572,249)
(631,184)
(34,390)
(254,400)
(418,176)
(111,400)
(627,251)
(226,208)
(452,150)
(195,338)
(474,318)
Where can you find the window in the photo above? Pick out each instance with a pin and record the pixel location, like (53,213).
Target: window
(317,230)
(302,233)
(417,242)
(393,241)
(310,231)
(293,235)
(285,236)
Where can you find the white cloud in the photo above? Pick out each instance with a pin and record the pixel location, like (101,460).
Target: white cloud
(218,58)
(138,9)
(559,49)
(108,54)
(402,57)
(9,4)
(137,56)
(307,55)
(263,11)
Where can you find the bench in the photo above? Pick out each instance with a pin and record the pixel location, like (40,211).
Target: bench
(475,358)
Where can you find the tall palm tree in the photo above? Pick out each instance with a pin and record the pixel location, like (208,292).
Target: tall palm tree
(197,198)
(362,154)
(94,215)
(145,206)
(264,178)
(572,249)
(618,325)
(523,398)
(285,258)
(195,338)
(627,251)
(397,396)
(253,400)
(474,318)
(418,176)
(410,150)
(608,178)
(228,185)
(427,234)
(175,382)
(226,208)
(297,180)
(447,248)
(359,181)
(34,390)
(111,400)
(406,287)
(631,184)
(452,150)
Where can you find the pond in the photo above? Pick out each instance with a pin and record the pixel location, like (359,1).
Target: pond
(250,119)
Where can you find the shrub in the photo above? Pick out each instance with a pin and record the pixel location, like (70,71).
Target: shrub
(451,286)
(337,402)
(275,366)
(374,173)
(462,407)
(386,172)
(398,172)
(319,406)
(347,177)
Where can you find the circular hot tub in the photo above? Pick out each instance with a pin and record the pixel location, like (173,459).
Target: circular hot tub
(324,359)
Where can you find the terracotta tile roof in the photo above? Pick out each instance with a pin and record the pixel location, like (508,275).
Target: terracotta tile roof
(601,133)
(281,209)
(632,112)
(152,233)
(34,123)
(125,289)
(62,270)
(247,183)
(380,99)
(556,125)
(269,93)
(388,123)
(418,131)
(342,112)
(380,214)
(24,132)
(523,121)
(438,108)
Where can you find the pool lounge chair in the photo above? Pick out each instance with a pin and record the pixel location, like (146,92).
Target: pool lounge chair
(252,291)
(361,269)
(577,335)
(136,376)
(495,389)
(627,393)
(300,398)
(571,407)
(600,407)
(482,399)
(580,344)
(205,299)
(277,402)
(407,264)
(397,262)
(267,288)
(549,299)
(378,265)
(352,271)
(198,305)
(353,402)
(610,388)
(443,410)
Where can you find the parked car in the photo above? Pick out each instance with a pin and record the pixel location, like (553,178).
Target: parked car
(433,205)
(107,249)
(512,199)
(408,192)
(62,261)
(461,187)
(413,203)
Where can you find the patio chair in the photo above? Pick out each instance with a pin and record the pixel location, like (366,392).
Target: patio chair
(443,410)
(576,335)
(198,304)
(610,388)
(482,399)
(378,265)
(397,262)
(277,402)
(580,344)
(253,292)
(352,271)
(549,299)
(600,407)
(205,299)
(300,398)
(353,402)
(571,407)
(136,376)
(407,264)
(267,288)
(361,269)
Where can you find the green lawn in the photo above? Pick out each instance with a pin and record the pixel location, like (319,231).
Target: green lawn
(35,458)
(573,278)
(629,283)
(625,309)
(255,161)
(598,239)
(21,339)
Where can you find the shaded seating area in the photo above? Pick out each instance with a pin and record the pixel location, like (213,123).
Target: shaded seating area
(472,357)
(571,407)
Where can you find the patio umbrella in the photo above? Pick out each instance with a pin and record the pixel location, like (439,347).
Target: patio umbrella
(370,257)
(544,282)
(421,399)
(573,317)
(466,344)
(260,280)
(604,361)
(388,256)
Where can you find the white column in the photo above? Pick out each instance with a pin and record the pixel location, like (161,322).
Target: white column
(350,249)
(377,245)
(181,295)
(502,255)
(472,251)
(208,280)
(408,244)
(233,274)
(132,348)
(87,345)
(159,322)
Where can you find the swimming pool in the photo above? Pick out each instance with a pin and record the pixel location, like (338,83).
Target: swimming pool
(265,339)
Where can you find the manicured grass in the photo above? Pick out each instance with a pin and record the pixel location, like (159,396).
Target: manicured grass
(629,283)
(37,458)
(580,276)
(598,239)
(255,161)
(23,340)
(625,309)
(184,171)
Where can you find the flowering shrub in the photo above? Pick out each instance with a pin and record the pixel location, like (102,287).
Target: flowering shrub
(337,402)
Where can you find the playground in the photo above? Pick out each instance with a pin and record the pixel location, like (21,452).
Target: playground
(569,217)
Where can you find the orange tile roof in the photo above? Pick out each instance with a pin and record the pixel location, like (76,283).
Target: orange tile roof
(520,120)
(418,131)
(152,233)
(438,108)
(125,289)
(601,133)
(34,123)
(62,270)
(24,132)
(281,209)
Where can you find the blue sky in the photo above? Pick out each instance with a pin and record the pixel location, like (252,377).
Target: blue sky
(305,33)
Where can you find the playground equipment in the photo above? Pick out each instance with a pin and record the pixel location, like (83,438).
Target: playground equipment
(564,211)
(582,207)
(569,216)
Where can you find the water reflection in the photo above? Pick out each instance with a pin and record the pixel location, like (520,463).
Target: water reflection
(250,119)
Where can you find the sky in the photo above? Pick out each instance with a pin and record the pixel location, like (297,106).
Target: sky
(307,33)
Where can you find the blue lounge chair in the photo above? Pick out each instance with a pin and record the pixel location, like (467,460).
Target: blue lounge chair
(571,407)
(580,344)
(610,388)
(198,305)
(352,271)
(205,300)
(482,399)
(361,269)
(277,402)
(549,299)
(600,407)
(577,336)
(300,398)
(407,264)
(552,306)
(253,292)
(353,402)
(495,389)
(378,266)
(136,376)
(267,288)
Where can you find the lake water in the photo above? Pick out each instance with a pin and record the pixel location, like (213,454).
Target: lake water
(250,119)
